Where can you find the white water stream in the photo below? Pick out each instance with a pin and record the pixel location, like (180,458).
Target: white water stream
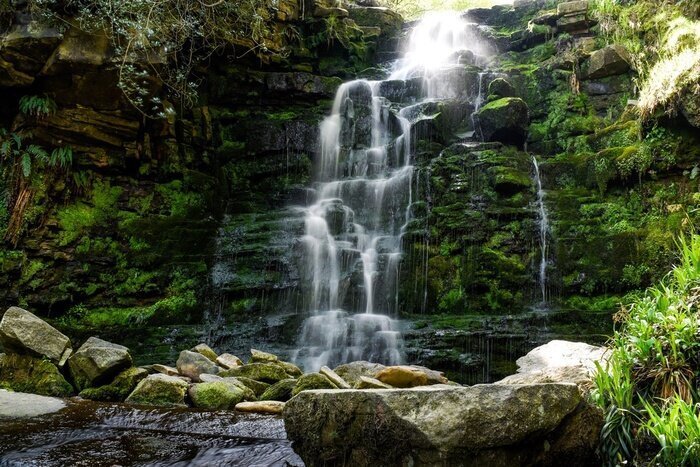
(364,193)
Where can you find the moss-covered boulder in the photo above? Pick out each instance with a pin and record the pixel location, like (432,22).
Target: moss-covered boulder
(22,373)
(500,87)
(205,350)
(258,356)
(159,390)
(248,393)
(218,395)
(312,381)
(265,372)
(97,362)
(258,387)
(193,364)
(505,120)
(608,61)
(119,389)
(291,369)
(23,333)
(280,391)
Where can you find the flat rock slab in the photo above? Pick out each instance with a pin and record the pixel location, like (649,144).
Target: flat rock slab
(21,405)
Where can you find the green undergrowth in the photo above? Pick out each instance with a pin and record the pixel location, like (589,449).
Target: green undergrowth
(648,387)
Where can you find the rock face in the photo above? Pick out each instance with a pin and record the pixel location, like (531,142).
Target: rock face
(97,362)
(161,390)
(608,61)
(193,364)
(24,333)
(495,425)
(505,120)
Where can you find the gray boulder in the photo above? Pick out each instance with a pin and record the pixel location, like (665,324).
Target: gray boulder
(97,362)
(495,425)
(23,333)
(608,61)
(351,372)
(193,364)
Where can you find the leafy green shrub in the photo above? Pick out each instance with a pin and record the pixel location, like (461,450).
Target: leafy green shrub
(649,379)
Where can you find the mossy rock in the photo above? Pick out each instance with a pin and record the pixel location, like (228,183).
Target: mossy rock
(119,389)
(258,387)
(205,350)
(159,390)
(265,372)
(217,395)
(505,120)
(280,391)
(312,381)
(23,373)
(291,369)
(500,87)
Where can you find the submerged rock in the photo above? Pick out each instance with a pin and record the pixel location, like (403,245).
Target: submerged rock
(217,395)
(119,389)
(97,362)
(22,373)
(160,390)
(271,407)
(24,333)
(495,425)
(193,364)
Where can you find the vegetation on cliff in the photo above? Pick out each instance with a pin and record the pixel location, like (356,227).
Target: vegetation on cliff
(648,388)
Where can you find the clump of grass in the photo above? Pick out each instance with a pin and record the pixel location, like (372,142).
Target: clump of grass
(647,386)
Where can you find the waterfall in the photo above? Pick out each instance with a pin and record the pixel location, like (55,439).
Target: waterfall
(543,221)
(364,194)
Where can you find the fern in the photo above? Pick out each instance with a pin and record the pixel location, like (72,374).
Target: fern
(26,164)
(62,157)
(37,106)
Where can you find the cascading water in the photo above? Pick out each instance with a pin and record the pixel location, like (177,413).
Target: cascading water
(543,221)
(364,193)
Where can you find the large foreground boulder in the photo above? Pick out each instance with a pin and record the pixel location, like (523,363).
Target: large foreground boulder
(505,120)
(495,425)
(97,362)
(23,333)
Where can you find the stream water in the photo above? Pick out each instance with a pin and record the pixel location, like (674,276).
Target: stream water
(364,195)
(93,434)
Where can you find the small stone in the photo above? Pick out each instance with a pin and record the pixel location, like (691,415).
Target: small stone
(226,360)
(97,362)
(312,381)
(403,377)
(159,390)
(217,395)
(23,333)
(365,382)
(334,377)
(207,378)
(193,364)
(165,369)
(258,356)
(280,391)
(205,350)
(268,407)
